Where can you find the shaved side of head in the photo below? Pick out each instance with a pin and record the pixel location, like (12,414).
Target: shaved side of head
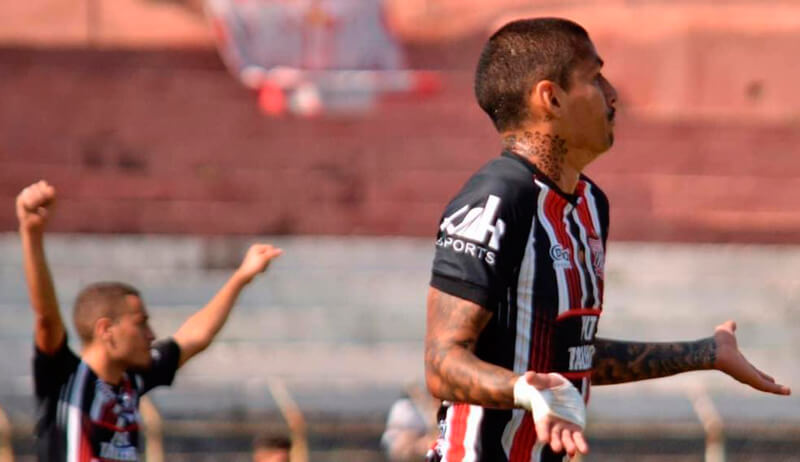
(100,300)
(518,56)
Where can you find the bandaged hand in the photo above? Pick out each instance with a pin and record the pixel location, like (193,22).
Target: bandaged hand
(558,410)
(562,400)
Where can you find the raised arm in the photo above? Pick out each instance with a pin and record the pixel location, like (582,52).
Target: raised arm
(196,334)
(620,361)
(34,205)
(454,373)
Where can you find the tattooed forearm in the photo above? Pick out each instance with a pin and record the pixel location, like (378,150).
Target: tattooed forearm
(548,152)
(619,361)
(452,370)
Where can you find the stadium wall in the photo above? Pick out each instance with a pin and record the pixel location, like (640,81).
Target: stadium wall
(165,141)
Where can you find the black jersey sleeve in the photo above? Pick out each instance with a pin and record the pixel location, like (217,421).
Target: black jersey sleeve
(166,355)
(475,246)
(51,371)
(603,209)
(604,217)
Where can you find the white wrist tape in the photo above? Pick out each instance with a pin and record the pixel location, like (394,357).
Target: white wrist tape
(562,401)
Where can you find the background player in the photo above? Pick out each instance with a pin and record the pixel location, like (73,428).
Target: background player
(88,404)
(517,281)
(272,448)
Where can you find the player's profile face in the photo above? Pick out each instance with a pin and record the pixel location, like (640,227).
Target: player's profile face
(132,334)
(589,106)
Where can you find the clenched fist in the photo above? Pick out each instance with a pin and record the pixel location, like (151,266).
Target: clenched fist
(257,260)
(34,205)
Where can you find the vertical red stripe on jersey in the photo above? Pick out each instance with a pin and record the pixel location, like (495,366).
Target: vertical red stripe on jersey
(525,437)
(524,440)
(554,211)
(84,447)
(456,451)
(586,220)
(545,366)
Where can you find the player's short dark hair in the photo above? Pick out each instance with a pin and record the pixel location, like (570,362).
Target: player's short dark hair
(518,56)
(271,441)
(98,300)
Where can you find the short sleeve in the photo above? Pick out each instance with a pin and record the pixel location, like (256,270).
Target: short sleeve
(51,371)
(600,201)
(165,358)
(473,253)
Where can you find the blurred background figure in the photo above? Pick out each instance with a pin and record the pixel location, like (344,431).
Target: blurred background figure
(334,55)
(313,34)
(411,427)
(271,448)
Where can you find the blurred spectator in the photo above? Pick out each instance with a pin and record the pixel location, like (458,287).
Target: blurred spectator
(271,448)
(306,34)
(411,426)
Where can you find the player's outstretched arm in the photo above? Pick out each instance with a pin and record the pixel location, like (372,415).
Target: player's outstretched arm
(34,206)
(621,361)
(196,334)
(454,373)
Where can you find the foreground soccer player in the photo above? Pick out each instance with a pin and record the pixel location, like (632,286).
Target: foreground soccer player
(88,405)
(517,284)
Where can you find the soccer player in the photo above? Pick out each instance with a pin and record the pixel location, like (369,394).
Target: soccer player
(517,284)
(88,404)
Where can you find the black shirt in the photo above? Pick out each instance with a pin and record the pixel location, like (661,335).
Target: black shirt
(83,419)
(512,242)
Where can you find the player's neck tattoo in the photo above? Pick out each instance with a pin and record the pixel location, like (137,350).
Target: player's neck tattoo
(548,152)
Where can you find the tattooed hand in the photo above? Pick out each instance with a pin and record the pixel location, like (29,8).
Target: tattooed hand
(732,362)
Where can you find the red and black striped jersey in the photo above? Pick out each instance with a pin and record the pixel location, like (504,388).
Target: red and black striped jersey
(84,419)
(514,243)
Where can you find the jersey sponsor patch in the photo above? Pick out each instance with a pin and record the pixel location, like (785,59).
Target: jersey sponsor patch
(560,256)
(574,352)
(475,231)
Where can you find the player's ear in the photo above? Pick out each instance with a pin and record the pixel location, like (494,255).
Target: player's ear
(545,100)
(102,331)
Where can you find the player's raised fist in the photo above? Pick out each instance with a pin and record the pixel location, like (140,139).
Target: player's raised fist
(34,204)
(257,260)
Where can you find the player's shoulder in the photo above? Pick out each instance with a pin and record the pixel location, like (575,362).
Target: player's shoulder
(505,176)
(595,191)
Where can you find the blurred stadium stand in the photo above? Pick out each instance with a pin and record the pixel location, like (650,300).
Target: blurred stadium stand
(706,150)
(127,108)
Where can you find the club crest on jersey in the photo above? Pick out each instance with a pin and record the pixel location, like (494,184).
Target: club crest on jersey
(598,256)
(560,256)
(474,231)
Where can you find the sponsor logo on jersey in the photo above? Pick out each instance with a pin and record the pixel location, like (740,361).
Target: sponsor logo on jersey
(474,231)
(560,256)
(598,256)
(588,328)
(580,357)
(574,341)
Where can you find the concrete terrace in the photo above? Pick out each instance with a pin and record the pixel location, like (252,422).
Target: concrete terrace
(344,317)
